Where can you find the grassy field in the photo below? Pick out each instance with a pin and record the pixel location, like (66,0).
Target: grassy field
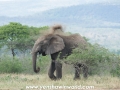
(42,82)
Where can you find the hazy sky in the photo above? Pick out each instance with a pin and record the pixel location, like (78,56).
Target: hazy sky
(29,7)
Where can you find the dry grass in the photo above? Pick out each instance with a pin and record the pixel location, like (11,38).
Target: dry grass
(20,81)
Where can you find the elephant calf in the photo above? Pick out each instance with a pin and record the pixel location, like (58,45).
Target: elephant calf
(78,68)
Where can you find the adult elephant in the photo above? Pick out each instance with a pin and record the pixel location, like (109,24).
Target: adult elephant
(58,46)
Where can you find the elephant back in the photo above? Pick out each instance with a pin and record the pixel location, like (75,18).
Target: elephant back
(74,40)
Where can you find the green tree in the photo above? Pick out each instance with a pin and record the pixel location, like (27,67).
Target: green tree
(18,37)
(26,44)
(11,34)
(98,59)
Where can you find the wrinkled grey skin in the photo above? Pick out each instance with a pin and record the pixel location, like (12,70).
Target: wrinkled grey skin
(56,45)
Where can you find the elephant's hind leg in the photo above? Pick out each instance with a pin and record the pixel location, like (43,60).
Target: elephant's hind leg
(51,71)
(85,71)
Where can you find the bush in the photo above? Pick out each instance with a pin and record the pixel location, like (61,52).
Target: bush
(23,65)
(8,65)
(99,60)
(42,62)
(116,71)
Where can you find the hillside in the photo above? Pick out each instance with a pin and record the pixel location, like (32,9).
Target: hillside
(90,15)
(98,22)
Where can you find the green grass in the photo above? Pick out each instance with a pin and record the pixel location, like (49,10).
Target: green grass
(24,81)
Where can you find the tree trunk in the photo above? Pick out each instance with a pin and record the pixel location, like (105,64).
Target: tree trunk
(13,53)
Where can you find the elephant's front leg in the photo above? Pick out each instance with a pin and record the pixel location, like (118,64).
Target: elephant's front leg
(51,71)
(58,66)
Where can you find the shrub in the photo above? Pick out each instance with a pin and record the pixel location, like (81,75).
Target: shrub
(23,64)
(116,71)
(98,59)
(8,65)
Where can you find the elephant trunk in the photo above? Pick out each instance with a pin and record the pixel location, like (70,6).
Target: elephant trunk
(34,57)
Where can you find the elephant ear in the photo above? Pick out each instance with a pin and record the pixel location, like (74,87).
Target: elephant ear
(56,44)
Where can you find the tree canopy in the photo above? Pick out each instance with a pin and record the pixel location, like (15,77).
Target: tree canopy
(16,36)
